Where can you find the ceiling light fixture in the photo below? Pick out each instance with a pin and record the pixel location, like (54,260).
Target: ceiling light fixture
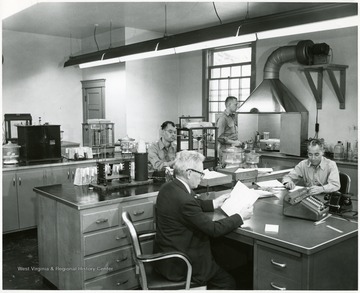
(310,27)
(99,63)
(324,17)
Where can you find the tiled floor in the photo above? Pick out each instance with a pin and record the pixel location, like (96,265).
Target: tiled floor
(20,260)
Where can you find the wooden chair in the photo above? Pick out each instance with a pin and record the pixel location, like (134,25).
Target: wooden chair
(148,277)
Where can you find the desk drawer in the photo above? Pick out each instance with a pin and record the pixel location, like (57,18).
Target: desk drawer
(270,281)
(120,281)
(140,211)
(284,263)
(100,219)
(108,263)
(111,238)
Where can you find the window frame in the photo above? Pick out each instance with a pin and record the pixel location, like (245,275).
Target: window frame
(207,66)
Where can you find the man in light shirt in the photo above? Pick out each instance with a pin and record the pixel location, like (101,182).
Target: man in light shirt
(318,173)
(162,153)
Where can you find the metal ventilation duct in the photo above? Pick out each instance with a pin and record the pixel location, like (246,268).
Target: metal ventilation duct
(272,95)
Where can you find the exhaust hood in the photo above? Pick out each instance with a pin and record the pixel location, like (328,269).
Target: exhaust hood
(272,95)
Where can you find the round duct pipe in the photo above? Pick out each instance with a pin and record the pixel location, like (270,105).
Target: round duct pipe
(303,53)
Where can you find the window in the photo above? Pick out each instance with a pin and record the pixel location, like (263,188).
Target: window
(230,73)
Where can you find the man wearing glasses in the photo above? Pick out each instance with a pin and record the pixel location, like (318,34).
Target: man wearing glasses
(182,225)
(162,153)
(318,173)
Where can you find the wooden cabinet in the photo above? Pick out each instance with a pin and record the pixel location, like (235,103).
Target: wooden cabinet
(10,202)
(91,248)
(19,208)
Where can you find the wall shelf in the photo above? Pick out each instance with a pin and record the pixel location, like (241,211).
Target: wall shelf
(330,69)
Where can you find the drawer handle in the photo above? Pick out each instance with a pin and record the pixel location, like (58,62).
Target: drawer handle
(277,287)
(281,265)
(138,213)
(14,181)
(68,174)
(122,283)
(122,259)
(100,221)
(19,180)
(122,237)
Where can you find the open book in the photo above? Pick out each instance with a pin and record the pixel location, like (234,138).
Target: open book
(240,198)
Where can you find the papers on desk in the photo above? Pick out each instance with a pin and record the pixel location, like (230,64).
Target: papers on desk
(270,184)
(296,188)
(212,174)
(260,170)
(240,198)
(263,193)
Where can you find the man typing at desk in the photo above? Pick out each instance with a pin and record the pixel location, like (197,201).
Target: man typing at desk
(318,173)
(182,225)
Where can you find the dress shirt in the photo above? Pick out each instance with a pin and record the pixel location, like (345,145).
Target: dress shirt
(227,128)
(159,155)
(326,174)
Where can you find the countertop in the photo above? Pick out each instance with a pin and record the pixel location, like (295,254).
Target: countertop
(84,197)
(279,155)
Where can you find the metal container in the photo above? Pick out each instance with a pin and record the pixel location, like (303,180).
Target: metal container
(233,155)
(128,145)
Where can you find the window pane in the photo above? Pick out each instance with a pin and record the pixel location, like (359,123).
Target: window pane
(246,70)
(213,84)
(232,56)
(224,84)
(234,83)
(214,95)
(212,117)
(225,72)
(214,107)
(245,93)
(222,107)
(223,94)
(245,83)
(235,71)
(215,73)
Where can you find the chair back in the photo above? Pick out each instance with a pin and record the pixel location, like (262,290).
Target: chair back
(136,248)
(345,183)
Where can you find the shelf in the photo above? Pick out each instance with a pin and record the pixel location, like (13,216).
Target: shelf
(330,69)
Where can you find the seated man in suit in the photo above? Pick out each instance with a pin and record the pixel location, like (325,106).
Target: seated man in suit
(318,173)
(162,153)
(182,225)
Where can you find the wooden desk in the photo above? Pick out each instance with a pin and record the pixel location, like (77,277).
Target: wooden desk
(301,255)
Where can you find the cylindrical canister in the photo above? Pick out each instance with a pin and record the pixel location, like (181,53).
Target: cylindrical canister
(141,166)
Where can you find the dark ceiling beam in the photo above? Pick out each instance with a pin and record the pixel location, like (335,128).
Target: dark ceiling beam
(248,26)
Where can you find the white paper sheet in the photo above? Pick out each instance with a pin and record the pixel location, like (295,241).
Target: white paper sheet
(264,193)
(270,183)
(212,174)
(240,197)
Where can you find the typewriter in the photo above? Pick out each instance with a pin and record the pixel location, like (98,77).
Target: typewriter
(300,204)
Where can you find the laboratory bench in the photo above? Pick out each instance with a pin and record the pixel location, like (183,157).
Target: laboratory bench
(83,243)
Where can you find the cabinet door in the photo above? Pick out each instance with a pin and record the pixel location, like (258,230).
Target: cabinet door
(10,202)
(57,175)
(27,180)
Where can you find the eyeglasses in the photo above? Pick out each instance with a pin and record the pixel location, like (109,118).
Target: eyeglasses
(196,171)
(171,131)
(316,155)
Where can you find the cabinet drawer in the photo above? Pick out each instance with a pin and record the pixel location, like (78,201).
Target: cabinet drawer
(108,263)
(100,219)
(270,281)
(111,238)
(140,211)
(283,263)
(120,281)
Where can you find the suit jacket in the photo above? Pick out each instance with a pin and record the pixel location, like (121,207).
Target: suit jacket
(182,225)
